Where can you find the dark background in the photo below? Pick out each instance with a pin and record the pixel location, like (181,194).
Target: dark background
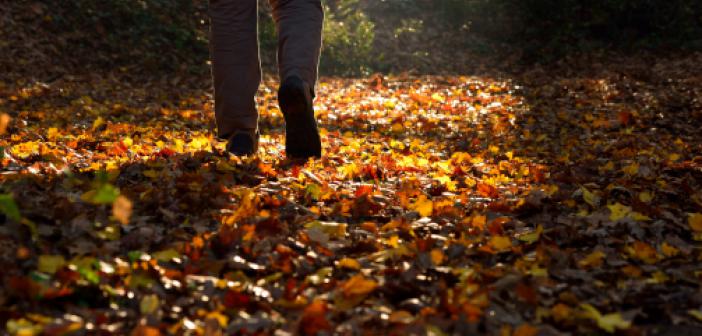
(44,39)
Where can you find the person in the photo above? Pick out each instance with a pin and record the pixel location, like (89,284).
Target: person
(236,71)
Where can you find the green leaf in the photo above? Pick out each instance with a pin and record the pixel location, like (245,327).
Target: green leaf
(9,207)
(105,194)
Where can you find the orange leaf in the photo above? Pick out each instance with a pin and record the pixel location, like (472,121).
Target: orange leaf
(526,330)
(487,190)
(695,221)
(143,330)
(314,318)
(122,209)
(500,243)
(4,120)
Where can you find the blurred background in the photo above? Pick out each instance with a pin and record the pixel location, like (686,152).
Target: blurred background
(44,39)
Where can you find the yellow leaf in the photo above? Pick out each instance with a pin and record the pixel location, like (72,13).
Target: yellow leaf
(695,313)
(631,169)
(637,216)
(695,221)
(593,259)
(98,122)
(50,263)
(393,241)
(618,211)
(349,264)
(122,209)
(645,196)
(358,285)
(591,198)
(500,243)
(532,237)
(478,221)
(609,322)
(423,206)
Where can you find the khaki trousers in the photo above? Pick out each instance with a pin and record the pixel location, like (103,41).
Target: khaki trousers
(236,68)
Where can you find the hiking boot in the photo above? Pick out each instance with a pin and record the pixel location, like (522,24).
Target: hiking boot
(243,143)
(301,135)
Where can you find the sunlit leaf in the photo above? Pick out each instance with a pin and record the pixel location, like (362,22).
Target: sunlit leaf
(608,322)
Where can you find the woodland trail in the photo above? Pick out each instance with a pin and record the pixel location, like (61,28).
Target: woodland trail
(443,205)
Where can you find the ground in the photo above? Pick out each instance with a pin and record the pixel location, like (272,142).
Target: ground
(541,203)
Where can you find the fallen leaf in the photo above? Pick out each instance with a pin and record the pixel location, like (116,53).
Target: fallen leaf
(695,221)
(608,322)
(122,209)
(50,263)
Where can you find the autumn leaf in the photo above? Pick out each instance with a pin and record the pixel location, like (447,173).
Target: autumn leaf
(500,243)
(314,319)
(358,285)
(593,259)
(349,263)
(695,221)
(50,263)
(122,209)
(526,330)
(423,206)
(590,198)
(4,121)
(618,211)
(608,322)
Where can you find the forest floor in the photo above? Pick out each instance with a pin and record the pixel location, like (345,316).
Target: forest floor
(542,203)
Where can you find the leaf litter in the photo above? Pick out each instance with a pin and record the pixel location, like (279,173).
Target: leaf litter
(443,205)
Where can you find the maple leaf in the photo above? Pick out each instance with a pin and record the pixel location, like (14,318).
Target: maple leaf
(423,206)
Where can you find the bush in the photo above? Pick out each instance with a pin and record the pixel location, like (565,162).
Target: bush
(155,34)
(348,39)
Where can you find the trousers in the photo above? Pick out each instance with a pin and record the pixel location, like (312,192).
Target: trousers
(234,52)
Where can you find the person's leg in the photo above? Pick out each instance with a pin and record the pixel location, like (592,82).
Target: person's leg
(236,68)
(299,24)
